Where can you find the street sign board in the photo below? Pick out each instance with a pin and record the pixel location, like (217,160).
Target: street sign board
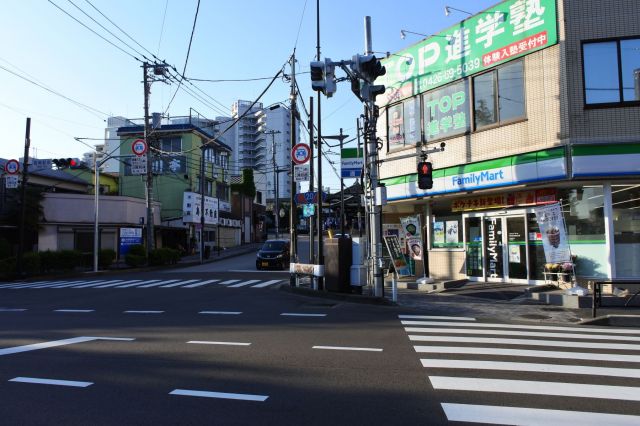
(139,147)
(300,153)
(11,182)
(301,173)
(308,210)
(352,161)
(12,167)
(138,165)
(309,197)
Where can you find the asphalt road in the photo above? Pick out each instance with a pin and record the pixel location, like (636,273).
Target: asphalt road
(218,346)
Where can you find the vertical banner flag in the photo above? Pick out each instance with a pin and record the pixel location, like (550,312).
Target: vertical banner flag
(554,236)
(411,230)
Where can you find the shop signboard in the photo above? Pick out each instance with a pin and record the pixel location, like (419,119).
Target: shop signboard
(129,237)
(498,201)
(446,111)
(351,162)
(192,204)
(554,235)
(503,32)
(397,257)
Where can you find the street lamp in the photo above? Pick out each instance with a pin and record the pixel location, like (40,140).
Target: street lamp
(448,9)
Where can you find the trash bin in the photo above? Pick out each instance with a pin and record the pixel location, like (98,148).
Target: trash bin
(207,251)
(337,264)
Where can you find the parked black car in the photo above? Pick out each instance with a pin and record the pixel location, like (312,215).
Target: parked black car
(273,254)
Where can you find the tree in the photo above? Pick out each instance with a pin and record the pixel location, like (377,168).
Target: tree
(248,186)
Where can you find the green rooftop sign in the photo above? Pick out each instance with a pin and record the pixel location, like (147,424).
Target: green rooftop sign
(508,30)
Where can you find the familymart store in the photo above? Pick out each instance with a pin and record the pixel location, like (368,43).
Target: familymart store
(481,221)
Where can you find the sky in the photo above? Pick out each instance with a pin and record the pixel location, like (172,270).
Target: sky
(251,39)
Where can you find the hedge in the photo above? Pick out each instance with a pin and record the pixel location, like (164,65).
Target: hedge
(164,256)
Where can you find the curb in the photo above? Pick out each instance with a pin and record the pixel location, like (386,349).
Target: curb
(352,298)
(613,320)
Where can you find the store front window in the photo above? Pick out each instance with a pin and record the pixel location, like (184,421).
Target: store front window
(446,230)
(626,228)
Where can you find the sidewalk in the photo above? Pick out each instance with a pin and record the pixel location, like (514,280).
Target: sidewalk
(194,259)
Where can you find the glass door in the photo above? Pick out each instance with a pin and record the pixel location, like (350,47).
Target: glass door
(473,247)
(516,255)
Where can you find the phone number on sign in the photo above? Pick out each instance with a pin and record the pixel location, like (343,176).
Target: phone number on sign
(449,74)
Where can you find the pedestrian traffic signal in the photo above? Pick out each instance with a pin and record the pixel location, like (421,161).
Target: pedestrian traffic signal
(425,175)
(323,77)
(63,163)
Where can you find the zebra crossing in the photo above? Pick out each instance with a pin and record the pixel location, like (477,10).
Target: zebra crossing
(529,374)
(140,283)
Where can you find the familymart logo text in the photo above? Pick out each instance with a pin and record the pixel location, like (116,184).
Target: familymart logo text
(477,179)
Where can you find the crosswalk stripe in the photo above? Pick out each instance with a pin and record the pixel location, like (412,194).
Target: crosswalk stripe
(92,283)
(22,285)
(89,284)
(65,284)
(475,350)
(40,284)
(520,333)
(201,283)
(579,390)
(524,342)
(500,415)
(228,282)
(435,317)
(244,283)
(530,367)
(576,329)
(132,284)
(178,283)
(108,284)
(265,284)
(157,283)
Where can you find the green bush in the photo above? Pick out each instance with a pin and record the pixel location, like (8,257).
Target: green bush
(106,257)
(68,260)
(164,256)
(134,260)
(138,250)
(5,248)
(7,268)
(48,260)
(31,263)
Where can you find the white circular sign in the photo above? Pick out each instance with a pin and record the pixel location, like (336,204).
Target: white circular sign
(139,147)
(12,167)
(300,153)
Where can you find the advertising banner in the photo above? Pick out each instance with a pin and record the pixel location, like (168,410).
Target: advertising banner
(411,226)
(128,238)
(506,31)
(554,237)
(415,248)
(191,206)
(395,252)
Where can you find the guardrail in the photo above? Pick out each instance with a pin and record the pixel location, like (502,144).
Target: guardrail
(597,292)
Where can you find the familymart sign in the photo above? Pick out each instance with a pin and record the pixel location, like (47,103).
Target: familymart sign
(508,30)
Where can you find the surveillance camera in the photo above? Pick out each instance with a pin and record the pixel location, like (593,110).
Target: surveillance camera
(442,145)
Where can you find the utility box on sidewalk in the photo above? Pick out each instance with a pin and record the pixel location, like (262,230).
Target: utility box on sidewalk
(337,264)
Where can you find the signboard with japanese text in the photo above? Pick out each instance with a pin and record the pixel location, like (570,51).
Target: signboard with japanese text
(446,111)
(515,199)
(506,31)
(166,165)
(129,237)
(301,173)
(554,235)
(397,257)
(192,206)
(351,162)
(11,181)
(138,165)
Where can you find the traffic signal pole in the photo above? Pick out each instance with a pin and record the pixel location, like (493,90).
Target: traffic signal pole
(150,230)
(23,191)
(293,216)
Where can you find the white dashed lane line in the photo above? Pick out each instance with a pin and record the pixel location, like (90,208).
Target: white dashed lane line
(219,313)
(12,309)
(204,342)
(291,314)
(347,348)
(40,381)
(75,311)
(142,312)
(221,395)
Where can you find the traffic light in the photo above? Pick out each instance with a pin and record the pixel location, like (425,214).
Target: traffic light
(323,77)
(367,68)
(425,175)
(63,163)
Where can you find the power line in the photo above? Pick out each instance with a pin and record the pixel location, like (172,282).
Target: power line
(164,15)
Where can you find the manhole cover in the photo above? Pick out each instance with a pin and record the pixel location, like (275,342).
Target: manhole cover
(535,316)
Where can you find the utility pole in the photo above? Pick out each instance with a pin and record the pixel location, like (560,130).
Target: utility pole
(202,194)
(276,178)
(23,212)
(311,227)
(147,90)
(293,211)
(341,137)
(319,200)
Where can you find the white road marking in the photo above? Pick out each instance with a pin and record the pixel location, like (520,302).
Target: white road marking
(54,343)
(525,342)
(204,342)
(469,350)
(222,395)
(111,283)
(72,284)
(75,310)
(133,283)
(156,283)
(286,314)
(12,309)
(201,283)
(227,282)
(435,317)
(520,333)
(219,313)
(179,283)
(346,348)
(24,285)
(266,284)
(143,312)
(242,284)
(51,382)
(531,367)
(579,390)
(576,329)
(95,283)
(498,415)
(44,284)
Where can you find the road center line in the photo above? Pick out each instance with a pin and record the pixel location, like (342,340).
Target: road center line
(143,312)
(219,313)
(288,314)
(222,395)
(346,348)
(204,342)
(75,310)
(12,309)
(54,343)
(51,382)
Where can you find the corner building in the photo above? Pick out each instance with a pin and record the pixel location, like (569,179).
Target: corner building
(536,101)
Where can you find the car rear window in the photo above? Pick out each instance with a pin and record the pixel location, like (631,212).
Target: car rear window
(273,245)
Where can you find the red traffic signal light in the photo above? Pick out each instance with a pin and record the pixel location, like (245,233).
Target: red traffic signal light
(425,175)
(63,163)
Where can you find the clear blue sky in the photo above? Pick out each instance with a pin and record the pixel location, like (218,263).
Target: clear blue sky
(232,40)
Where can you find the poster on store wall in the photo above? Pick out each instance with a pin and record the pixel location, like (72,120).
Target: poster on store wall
(554,236)
(397,257)
(438,233)
(415,248)
(452,232)
(411,226)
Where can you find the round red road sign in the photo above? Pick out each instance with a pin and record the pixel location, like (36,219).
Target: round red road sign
(300,153)
(139,147)
(12,167)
